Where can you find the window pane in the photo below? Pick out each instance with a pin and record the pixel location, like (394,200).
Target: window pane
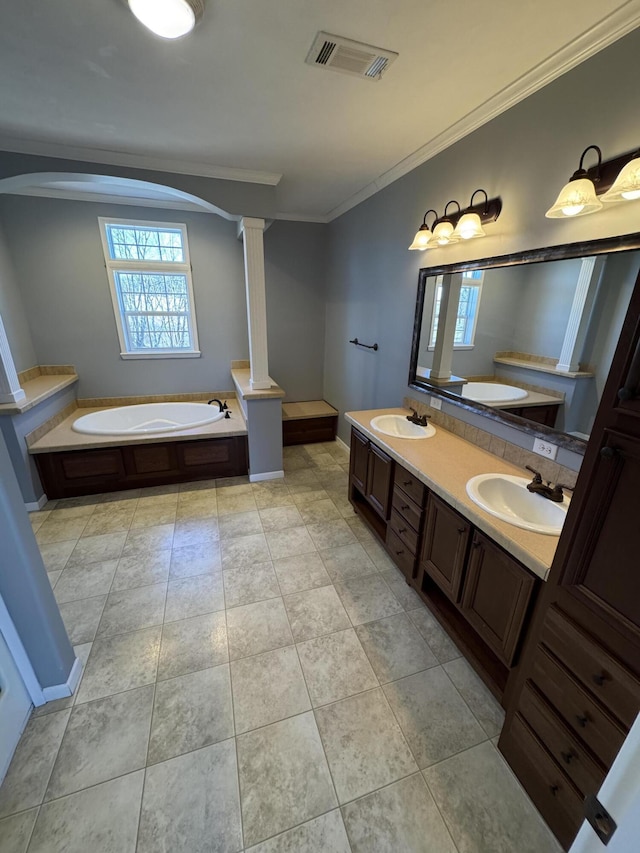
(139,243)
(156,310)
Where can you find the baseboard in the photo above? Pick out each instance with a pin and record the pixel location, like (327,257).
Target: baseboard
(34,506)
(268,475)
(343,444)
(61,691)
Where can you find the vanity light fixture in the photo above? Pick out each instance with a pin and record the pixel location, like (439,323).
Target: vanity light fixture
(423,234)
(608,181)
(169,19)
(464,224)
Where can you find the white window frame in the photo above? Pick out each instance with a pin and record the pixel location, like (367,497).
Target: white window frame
(184,268)
(477,283)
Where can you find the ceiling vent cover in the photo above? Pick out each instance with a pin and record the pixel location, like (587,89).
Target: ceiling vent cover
(349,57)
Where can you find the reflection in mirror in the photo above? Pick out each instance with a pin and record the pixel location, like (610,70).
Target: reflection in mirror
(533,339)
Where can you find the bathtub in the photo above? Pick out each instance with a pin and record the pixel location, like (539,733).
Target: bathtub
(147,418)
(491,393)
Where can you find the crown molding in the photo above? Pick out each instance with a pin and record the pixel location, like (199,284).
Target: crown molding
(137,161)
(321,218)
(105,198)
(601,35)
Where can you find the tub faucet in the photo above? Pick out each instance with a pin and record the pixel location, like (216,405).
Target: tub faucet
(420,420)
(223,406)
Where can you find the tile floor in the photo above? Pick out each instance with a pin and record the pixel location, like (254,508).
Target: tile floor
(257,677)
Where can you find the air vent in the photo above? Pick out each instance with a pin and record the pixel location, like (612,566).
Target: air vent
(349,57)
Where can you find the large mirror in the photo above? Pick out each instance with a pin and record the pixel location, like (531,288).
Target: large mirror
(527,339)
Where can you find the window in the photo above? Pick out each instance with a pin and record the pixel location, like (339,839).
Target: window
(150,278)
(468,307)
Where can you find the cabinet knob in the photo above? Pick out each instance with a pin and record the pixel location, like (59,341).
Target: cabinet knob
(407,482)
(399,552)
(568,756)
(554,789)
(461,530)
(476,544)
(600,678)
(404,507)
(582,720)
(608,452)
(402,530)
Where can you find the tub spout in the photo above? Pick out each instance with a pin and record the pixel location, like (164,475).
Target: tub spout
(223,406)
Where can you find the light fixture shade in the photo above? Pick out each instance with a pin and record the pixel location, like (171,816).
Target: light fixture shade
(469,226)
(421,240)
(626,186)
(443,234)
(168,19)
(577,198)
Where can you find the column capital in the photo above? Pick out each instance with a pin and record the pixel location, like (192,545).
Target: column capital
(251,222)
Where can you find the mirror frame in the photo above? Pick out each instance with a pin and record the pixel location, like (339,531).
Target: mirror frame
(607,245)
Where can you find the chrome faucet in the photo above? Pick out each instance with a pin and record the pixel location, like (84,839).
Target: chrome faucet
(420,420)
(537,487)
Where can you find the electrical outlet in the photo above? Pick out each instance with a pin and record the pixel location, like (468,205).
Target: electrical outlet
(545,448)
(436,403)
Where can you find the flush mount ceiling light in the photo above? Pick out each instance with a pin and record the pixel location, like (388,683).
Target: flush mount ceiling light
(168,19)
(612,180)
(463,224)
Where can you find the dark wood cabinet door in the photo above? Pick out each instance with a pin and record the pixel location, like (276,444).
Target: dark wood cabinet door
(603,563)
(359,461)
(496,596)
(444,547)
(380,481)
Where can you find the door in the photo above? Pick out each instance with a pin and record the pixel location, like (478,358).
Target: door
(359,461)
(445,546)
(380,480)
(15,706)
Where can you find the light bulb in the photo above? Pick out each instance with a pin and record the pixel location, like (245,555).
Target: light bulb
(572,209)
(577,198)
(631,194)
(168,19)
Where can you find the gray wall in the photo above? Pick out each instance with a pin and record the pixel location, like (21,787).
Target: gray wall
(12,312)
(25,587)
(65,293)
(295,269)
(525,156)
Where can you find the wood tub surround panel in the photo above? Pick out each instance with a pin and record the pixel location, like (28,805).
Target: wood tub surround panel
(72,473)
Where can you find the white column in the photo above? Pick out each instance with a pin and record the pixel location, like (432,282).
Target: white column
(578,325)
(253,239)
(443,351)
(10,390)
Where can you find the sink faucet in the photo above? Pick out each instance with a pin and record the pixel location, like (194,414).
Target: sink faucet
(420,420)
(537,487)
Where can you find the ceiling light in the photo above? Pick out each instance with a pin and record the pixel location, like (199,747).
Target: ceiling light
(168,19)
(626,186)
(578,197)
(423,237)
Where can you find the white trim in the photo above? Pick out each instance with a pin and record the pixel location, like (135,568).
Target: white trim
(138,161)
(321,218)
(19,655)
(67,688)
(254,275)
(10,390)
(115,265)
(268,475)
(106,198)
(611,28)
(34,506)
(343,443)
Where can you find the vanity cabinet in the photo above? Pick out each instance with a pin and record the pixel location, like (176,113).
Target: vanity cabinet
(445,546)
(496,597)
(406,521)
(371,480)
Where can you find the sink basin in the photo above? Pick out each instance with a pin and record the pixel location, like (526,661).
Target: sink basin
(506,497)
(399,427)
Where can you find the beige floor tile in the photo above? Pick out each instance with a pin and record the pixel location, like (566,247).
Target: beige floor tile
(132,609)
(367,599)
(244,550)
(142,570)
(477,695)
(335,666)
(120,663)
(289,542)
(151,516)
(246,584)
(268,687)
(95,549)
(201,532)
(193,644)
(324,834)
(259,627)
(280,517)
(315,612)
(331,534)
(439,641)
(240,524)
(15,831)
(319,512)
(195,560)
(395,648)
(301,572)
(347,561)
(56,554)
(228,504)
(194,596)
(85,581)
(81,618)
(59,530)
(146,539)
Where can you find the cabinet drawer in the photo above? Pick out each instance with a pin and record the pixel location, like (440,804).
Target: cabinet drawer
(601,673)
(401,555)
(568,751)
(582,714)
(404,531)
(560,803)
(407,508)
(410,484)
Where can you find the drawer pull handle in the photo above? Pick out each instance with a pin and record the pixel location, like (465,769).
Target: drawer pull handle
(554,789)
(407,482)
(461,530)
(399,552)
(476,544)
(568,756)
(404,507)
(600,679)
(608,452)
(402,530)
(582,721)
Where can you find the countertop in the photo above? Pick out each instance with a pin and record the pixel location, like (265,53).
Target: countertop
(63,437)
(242,380)
(444,463)
(38,389)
